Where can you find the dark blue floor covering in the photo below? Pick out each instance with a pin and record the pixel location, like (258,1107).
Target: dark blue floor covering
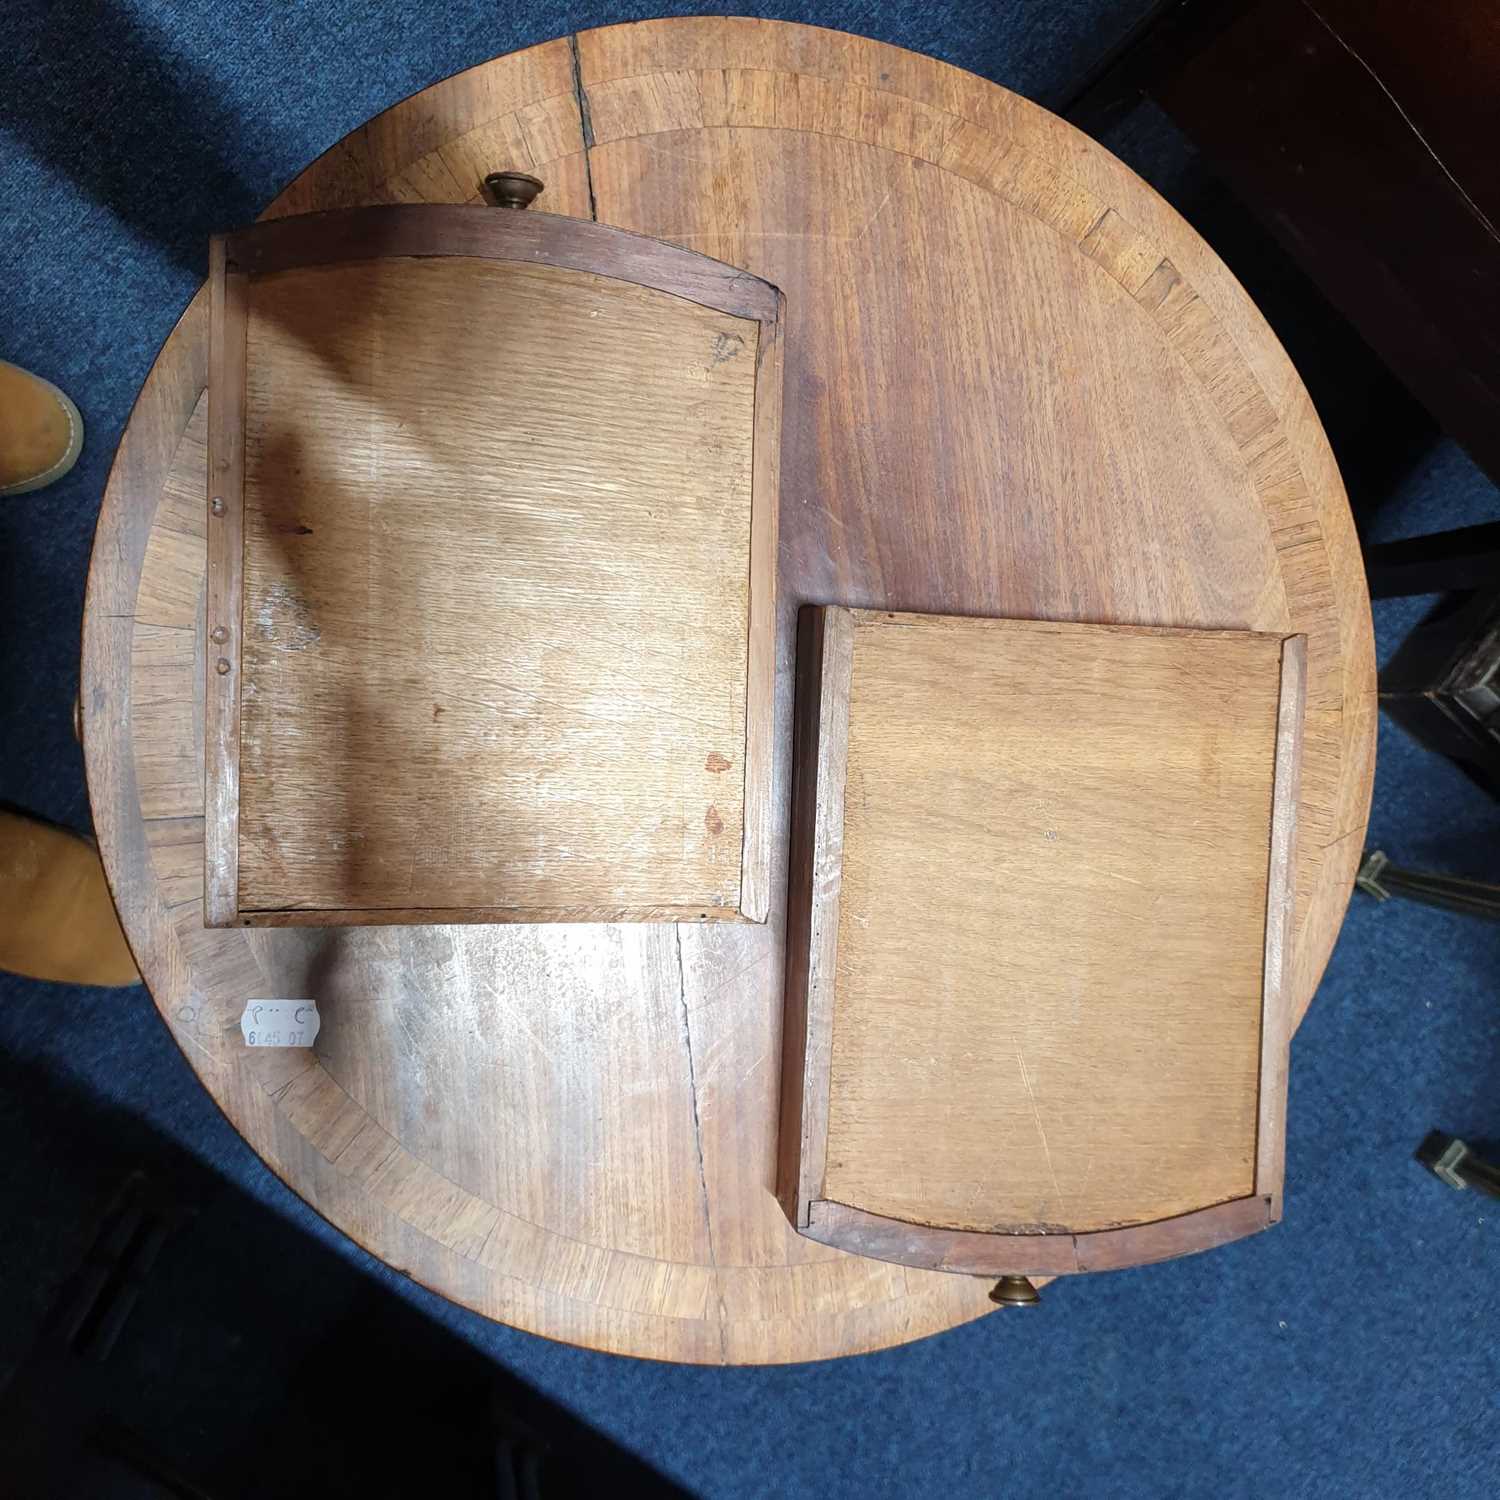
(1352,1352)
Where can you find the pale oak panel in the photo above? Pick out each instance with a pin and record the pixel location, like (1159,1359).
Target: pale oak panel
(496,594)
(1052,918)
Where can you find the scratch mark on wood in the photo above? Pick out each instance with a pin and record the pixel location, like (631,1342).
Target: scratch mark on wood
(1111,874)
(1037,1115)
(687,1042)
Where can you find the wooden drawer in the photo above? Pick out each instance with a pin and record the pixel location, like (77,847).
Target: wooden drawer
(1037,939)
(491,565)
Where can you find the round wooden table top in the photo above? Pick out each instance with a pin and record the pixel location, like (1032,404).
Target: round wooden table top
(1016,384)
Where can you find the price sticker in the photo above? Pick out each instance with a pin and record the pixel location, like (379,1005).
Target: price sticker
(279,1023)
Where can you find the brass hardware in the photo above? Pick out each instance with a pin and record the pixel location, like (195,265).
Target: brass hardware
(1015,1291)
(513,189)
(218,635)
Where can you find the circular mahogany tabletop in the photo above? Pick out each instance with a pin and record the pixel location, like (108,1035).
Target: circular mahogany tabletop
(1016,383)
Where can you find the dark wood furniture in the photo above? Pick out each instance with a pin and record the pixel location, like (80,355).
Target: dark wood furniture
(1443,684)
(1363,133)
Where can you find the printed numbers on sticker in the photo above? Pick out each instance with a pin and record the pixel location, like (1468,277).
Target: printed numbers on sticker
(279,1023)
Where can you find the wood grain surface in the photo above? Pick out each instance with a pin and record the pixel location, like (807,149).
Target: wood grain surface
(1016,383)
(498,592)
(1056,869)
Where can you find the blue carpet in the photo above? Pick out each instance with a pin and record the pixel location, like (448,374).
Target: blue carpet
(1350,1352)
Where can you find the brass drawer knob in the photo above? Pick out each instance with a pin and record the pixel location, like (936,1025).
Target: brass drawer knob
(513,189)
(1015,1291)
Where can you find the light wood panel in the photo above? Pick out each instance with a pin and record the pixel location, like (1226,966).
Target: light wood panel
(1049,853)
(1051,926)
(497,594)
(629,1157)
